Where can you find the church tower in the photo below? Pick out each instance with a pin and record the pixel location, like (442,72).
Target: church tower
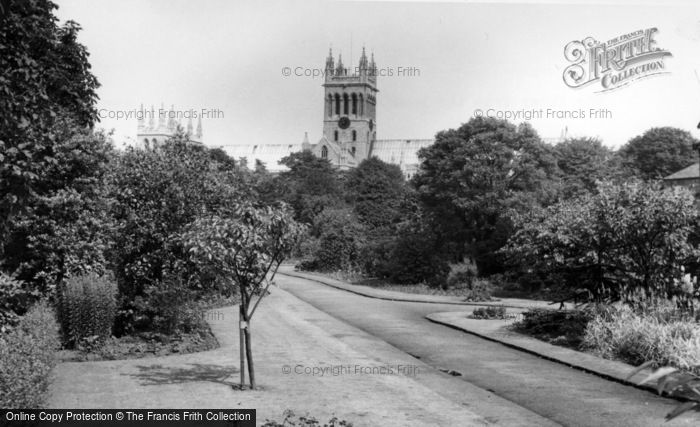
(349,114)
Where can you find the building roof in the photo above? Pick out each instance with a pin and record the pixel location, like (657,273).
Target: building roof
(691,172)
(269,154)
(399,151)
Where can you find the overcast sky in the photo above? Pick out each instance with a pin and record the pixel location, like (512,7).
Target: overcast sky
(230,56)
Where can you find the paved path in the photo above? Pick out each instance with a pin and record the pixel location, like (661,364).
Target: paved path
(291,333)
(559,393)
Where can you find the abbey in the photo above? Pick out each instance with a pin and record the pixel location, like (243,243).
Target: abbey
(349,124)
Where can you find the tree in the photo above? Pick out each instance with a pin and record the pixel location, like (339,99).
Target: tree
(47,92)
(659,152)
(623,239)
(583,162)
(246,249)
(471,177)
(377,192)
(309,186)
(154,195)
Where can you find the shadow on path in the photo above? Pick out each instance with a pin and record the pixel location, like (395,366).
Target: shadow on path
(196,372)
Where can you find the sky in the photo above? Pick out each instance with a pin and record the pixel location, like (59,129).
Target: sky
(447,61)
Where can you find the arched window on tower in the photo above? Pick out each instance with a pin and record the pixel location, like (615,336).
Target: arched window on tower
(335,135)
(337,104)
(353,150)
(354,135)
(354,103)
(362,105)
(324,152)
(329,108)
(345,103)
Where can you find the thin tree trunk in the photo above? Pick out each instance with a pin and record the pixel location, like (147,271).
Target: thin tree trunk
(242,346)
(249,354)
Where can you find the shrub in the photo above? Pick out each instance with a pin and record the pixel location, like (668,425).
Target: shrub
(340,241)
(478,290)
(621,333)
(414,259)
(87,308)
(14,300)
(490,312)
(461,275)
(556,326)
(27,357)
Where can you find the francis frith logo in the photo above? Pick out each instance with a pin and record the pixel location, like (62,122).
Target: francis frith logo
(615,63)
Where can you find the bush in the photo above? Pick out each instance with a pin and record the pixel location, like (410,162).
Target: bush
(14,300)
(340,241)
(414,259)
(556,326)
(490,312)
(27,357)
(621,333)
(461,275)
(87,308)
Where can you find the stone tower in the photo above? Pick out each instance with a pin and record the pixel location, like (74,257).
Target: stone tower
(349,114)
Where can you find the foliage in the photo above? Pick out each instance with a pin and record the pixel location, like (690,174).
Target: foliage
(626,238)
(556,326)
(292,420)
(490,312)
(471,177)
(309,186)
(245,249)
(65,230)
(27,357)
(14,300)
(87,308)
(47,91)
(415,257)
(461,275)
(582,163)
(156,194)
(659,152)
(621,333)
(340,239)
(376,191)
(670,381)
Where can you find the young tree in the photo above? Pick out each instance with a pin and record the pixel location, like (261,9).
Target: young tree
(246,249)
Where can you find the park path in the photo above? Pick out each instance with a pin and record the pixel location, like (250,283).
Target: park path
(552,390)
(289,334)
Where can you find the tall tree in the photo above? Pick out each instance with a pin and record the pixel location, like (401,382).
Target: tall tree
(659,152)
(471,177)
(583,162)
(46,92)
(309,186)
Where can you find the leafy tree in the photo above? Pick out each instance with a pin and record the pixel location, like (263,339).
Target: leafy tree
(340,241)
(659,152)
(64,230)
(46,92)
(245,248)
(309,186)
(377,192)
(623,239)
(583,162)
(471,177)
(155,194)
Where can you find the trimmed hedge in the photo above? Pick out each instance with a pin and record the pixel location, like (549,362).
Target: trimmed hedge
(87,307)
(27,358)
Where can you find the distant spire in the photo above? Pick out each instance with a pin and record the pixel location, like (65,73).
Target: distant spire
(329,61)
(363,60)
(340,70)
(199,129)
